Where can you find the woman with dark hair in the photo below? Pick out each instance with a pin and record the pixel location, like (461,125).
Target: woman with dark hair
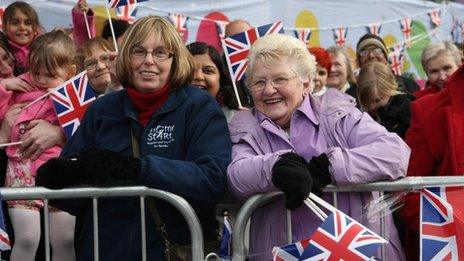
(211,75)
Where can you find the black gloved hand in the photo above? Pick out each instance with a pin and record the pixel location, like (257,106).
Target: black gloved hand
(319,169)
(290,174)
(91,167)
(106,165)
(58,173)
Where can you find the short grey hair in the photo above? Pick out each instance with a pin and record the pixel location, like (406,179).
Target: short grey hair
(434,50)
(277,46)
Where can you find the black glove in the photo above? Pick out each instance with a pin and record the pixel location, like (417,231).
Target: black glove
(319,169)
(91,167)
(58,173)
(290,174)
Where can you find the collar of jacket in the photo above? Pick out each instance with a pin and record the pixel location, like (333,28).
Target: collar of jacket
(455,85)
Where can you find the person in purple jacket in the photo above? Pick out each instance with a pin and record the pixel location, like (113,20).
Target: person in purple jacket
(298,144)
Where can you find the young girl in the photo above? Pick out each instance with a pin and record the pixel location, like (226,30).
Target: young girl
(51,61)
(21,25)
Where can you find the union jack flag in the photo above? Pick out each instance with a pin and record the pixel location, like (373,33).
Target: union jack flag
(236,47)
(374,28)
(435,17)
(456,31)
(5,243)
(396,58)
(303,34)
(179,21)
(221,28)
(341,238)
(127,12)
(2,10)
(441,224)
(340,36)
(70,100)
(291,252)
(406,28)
(225,251)
(116,3)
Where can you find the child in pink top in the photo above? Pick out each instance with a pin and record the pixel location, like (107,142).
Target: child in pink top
(51,62)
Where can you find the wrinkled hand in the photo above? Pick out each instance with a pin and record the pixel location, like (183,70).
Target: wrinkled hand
(8,121)
(16,84)
(40,136)
(292,177)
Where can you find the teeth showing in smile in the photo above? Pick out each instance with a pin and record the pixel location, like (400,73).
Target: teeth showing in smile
(148,73)
(272,101)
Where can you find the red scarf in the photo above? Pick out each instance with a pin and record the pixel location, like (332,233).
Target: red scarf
(148,102)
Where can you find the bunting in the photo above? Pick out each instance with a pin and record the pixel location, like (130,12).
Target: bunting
(340,36)
(435,17)
(180,23)
(406,29)
(374,28)
(456,30)
(303,34)
(396,58)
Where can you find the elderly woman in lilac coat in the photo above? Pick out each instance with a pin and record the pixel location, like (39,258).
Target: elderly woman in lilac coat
(299,144)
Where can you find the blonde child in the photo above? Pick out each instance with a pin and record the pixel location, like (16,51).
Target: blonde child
(51,62)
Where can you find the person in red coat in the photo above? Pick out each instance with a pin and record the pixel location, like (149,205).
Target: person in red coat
(436,139)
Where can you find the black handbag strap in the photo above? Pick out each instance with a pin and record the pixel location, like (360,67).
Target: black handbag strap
(149,202)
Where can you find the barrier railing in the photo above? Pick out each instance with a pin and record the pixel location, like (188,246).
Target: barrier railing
(196,234)
(406,184)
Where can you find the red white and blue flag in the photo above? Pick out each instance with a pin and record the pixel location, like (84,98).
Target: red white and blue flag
(456,31)
(236,47)
(225,250)
(5,243)
(116,3)
(441,224)
(303,34)
(374,28)
(406,29)
(340,36)
(435,17)
(291,252)
(180,23)
(396,58)
(70,100)
(127,12)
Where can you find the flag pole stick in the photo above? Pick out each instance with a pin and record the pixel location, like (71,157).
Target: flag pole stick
(111,27)
(231,75)
(314,208)
(321,202)
(87,25)
(36,100)
(3,145)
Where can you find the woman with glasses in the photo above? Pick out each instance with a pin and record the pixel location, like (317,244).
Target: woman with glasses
(158,132)
(99,62)
(298,144)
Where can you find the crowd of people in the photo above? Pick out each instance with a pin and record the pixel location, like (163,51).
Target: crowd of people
(167,117)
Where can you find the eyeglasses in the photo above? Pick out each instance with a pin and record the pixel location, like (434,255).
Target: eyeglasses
(91,64)
(278,83)
(376,51)
(139,52)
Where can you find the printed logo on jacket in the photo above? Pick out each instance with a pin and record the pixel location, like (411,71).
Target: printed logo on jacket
(161,136)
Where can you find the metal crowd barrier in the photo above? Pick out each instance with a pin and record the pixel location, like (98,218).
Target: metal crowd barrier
(196,233)
(405,184)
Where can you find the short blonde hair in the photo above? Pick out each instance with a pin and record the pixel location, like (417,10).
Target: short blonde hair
(52,50)
(183,65)
(434,50)
(276,46)
(376,80)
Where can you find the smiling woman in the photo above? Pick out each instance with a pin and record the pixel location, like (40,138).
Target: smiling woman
(298,144)
(183,140)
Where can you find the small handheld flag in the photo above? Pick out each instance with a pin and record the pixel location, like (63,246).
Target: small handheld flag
(116,3)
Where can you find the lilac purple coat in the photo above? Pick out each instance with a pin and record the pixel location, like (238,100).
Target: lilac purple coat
(359,150)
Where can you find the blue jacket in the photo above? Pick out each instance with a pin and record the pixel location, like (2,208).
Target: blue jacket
(185,149)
